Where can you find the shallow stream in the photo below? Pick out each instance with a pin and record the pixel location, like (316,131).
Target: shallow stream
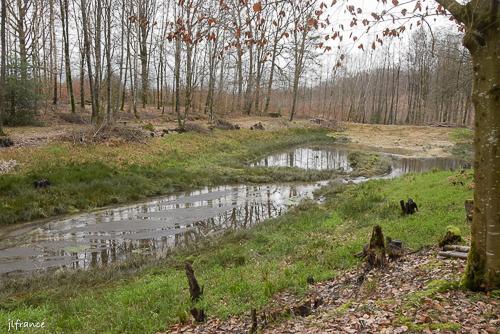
(155,227)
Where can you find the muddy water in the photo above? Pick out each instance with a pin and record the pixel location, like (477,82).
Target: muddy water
(151,228)
(155,227)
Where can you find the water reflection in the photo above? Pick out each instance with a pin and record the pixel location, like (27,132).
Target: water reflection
(335,158)
(155,227)
(310,159)
(151,228)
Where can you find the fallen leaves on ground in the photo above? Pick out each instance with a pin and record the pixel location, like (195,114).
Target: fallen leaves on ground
(418,294)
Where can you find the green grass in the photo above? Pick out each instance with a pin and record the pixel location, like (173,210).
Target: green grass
(88,177)
(244,269)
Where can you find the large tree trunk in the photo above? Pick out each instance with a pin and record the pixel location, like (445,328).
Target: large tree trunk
(3,18)
(483,270)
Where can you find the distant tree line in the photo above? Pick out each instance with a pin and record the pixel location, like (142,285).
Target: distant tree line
(217,57)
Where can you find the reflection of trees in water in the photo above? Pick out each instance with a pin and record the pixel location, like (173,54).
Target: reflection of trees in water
(307,158)
(241,217)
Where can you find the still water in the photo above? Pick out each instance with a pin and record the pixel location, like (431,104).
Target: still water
(155,227)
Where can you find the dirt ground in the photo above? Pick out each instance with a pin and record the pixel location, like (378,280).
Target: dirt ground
(420,141)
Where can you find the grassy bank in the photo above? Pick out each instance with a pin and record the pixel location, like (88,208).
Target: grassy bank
(242,270)
(93,176)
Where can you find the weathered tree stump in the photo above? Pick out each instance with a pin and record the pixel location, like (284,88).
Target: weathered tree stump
(409,207)
(6,142)
(376,249)
(469,209)
(255,323)
(196,293)
(451,237)
(41,184)
(394,249)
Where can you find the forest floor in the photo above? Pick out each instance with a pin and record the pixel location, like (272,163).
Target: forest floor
(420,141)
(419,293)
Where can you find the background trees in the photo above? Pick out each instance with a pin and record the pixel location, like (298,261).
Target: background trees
(220,57)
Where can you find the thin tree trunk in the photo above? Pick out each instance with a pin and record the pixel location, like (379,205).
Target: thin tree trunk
(65,27)
(86,38)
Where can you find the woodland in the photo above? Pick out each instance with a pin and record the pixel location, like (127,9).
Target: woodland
(247,166)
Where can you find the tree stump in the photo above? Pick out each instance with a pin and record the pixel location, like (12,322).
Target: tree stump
(196,293)
(394,248)
(469,209)
(376,249)
(451,237)
(255,323)
(6,142)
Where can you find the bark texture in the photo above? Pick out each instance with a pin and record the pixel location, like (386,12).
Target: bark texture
(482,38)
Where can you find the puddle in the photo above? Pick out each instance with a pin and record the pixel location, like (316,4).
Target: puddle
(155,227)
(335,158)
(151,228)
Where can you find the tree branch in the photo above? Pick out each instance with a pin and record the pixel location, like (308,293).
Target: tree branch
(456,9)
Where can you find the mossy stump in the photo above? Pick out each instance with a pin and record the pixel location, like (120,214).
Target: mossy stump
(376,255)
(452,236)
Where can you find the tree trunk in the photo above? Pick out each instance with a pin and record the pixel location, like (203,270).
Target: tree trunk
(98,67)
(108,62)
(483,270)
(53,51)
(143,53)
(82,79)
(65,26)
(3,18)
(86,39)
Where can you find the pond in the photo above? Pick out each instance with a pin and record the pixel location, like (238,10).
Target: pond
(155,227)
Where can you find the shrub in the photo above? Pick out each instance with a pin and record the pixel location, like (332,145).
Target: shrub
(21,102)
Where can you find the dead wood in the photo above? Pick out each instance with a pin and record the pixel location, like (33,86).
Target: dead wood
(457,248)
(196,293)
(394,249)
(450,254)
(6,142)
(376,249)
(469,209)
(224,125)
(255,323)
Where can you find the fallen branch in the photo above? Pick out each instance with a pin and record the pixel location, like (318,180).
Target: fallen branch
(458,255)
(457,248)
